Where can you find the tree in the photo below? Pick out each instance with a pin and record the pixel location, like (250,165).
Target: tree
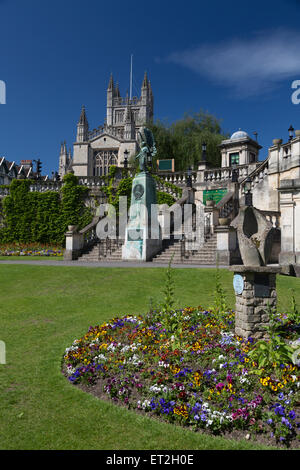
(183,139)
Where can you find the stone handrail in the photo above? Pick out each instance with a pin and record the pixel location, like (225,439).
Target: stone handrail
(224,174)
(88,233)
(178,178)
(227,206)
(90,226)
(257,175)
(46,186)
(91,181)
(4,192)
(273,217)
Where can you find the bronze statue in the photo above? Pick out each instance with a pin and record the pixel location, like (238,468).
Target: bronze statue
(147,148)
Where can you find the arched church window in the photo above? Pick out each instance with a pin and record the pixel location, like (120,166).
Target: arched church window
(104,159)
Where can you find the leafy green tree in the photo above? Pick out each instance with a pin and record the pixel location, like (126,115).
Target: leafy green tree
(183,139)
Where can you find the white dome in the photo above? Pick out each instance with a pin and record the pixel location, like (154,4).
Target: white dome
(239,135)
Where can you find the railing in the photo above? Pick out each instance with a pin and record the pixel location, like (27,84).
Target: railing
(228,206)
(110,130)
(273,217)
(4,192)
(109,245)
(91,181)
(178,178)
(257,175)
(126,101)
(224,174)
(89,233)
(46,186)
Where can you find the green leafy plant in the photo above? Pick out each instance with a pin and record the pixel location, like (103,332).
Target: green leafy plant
(273,351)
(171,319)
(294,314)
(43,217)
(220,306)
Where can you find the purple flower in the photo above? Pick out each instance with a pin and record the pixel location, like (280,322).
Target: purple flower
(279,410)
(286,422)
(292,414)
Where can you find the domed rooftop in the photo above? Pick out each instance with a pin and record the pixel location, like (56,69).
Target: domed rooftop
(239,135)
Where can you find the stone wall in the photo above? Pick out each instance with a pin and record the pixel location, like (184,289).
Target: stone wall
(253,303)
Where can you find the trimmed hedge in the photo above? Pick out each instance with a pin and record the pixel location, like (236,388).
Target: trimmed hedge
(30,217)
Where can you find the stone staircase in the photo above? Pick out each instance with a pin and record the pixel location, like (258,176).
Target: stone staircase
(205,256)
(101,251)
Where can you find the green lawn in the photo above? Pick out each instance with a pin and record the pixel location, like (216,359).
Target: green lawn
(43,309)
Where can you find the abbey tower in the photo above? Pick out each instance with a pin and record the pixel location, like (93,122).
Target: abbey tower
(96,150)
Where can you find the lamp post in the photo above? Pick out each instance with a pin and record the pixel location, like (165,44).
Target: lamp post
(235,180)
(204,146)
(291,132)
(248,194)
(189,178)
(234,174)
(125,162)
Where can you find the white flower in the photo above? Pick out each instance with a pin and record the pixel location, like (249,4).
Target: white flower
(70,370)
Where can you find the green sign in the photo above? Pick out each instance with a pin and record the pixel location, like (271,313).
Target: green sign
(215,194)
(166,165)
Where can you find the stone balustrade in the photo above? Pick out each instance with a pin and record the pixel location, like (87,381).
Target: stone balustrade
(4,192)
(224,174)
(273,217)
(45,186)
(178,178)
(92,181)
(257,176)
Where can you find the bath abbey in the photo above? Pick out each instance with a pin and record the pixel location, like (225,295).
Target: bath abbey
(96,150)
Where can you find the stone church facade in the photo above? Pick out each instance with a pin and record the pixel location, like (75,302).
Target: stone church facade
(96,150)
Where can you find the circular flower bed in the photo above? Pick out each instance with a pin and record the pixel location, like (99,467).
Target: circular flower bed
(201,375)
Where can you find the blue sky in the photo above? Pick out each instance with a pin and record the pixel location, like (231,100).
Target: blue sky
(234,59)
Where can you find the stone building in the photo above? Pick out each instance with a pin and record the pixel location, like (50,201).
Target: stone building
(11,170)
(96,150)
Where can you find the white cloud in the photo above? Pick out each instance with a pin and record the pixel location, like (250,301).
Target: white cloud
(249,66)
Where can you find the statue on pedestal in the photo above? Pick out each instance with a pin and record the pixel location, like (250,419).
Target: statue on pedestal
(143,233)
(147,148)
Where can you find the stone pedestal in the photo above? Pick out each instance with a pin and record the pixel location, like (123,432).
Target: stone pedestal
(227,249)
(143,233)
(255,290)
(74,244)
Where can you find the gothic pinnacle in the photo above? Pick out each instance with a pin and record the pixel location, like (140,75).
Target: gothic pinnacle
(145,81)
(111,83)
(83,119)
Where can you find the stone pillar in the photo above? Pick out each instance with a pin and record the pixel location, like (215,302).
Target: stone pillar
(227,249)
(143,233)
(255,290)
(202,166)
(74,243)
